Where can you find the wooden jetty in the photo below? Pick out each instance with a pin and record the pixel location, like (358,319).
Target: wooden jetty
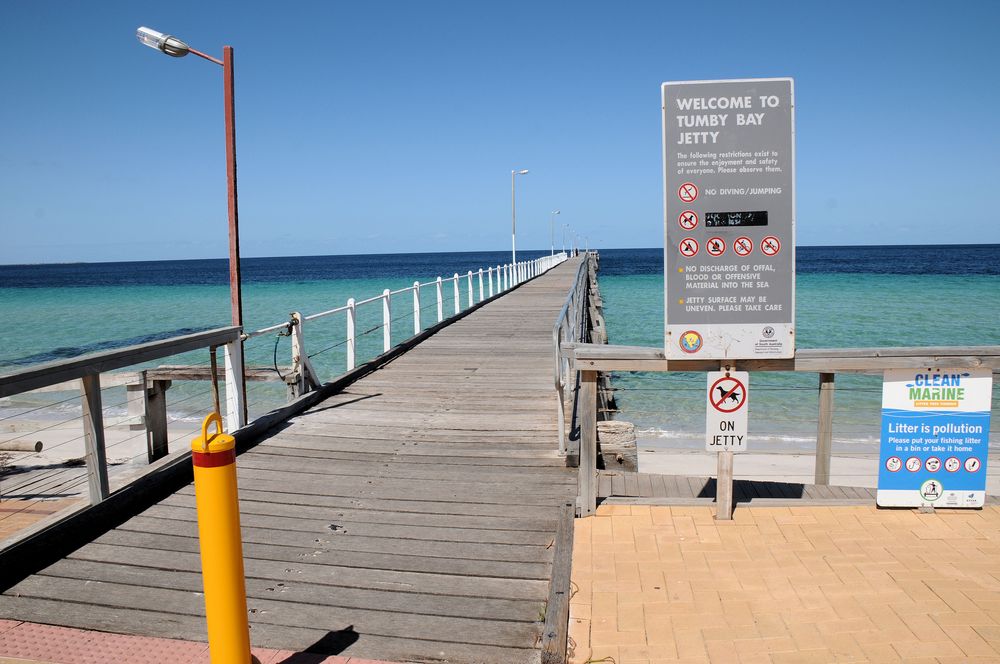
(418,508)
(422,514)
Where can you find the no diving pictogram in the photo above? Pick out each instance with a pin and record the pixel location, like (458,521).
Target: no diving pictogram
(743,246)
(688,219)
(727,395)
(687,192)
(715,246)
(770,245)
(688,247)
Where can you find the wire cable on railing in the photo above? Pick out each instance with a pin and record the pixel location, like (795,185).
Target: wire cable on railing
(75,397)
(336,345)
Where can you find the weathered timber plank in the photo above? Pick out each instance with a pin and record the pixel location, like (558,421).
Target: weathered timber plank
(345,541)
(283,552)
(343,527)
(313,591)
(351,515)
(153,560)
(388,467)
(391,487)
(279,612)
(456,459)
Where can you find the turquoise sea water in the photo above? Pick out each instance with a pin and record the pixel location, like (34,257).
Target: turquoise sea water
(921,296)
(846,297)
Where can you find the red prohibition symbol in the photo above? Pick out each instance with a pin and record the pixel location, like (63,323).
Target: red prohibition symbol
(743,246)
(688,220)
(727,395)
(687,192)
(770,245)
(715,246)
(688,247)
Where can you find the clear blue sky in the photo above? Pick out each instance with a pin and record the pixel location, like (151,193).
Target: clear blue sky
(369,127)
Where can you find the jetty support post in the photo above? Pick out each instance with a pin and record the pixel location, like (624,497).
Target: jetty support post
(236,414)
(824,428)
(155,408)
(587,501)
(724,487)
(93,438)
(724,475)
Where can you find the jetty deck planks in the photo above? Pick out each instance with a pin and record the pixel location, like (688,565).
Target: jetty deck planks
(411,517)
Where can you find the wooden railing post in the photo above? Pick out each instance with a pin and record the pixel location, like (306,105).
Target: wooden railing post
(440,296)
(416,307)
(481,298)
(235,396)
(824,428)
(587,502)
(352,314)
(469,284)
(458,301)
(156,418)
(386,320)
(308,378)
(93,439)
(489,275)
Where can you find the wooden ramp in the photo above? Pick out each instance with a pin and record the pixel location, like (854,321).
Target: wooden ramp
(412,517)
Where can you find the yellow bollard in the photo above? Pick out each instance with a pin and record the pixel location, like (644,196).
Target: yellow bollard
(214,459)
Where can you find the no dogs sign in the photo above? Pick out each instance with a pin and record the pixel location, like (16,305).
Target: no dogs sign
(726,411)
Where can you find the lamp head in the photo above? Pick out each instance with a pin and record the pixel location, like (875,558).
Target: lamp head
(166,43)
(521,172)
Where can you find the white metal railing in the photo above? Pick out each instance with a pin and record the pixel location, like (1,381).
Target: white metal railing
(488,282)
(568,328)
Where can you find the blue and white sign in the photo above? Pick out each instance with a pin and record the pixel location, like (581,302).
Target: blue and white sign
(935,437)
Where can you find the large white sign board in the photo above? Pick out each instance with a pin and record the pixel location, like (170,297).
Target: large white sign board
(729,204)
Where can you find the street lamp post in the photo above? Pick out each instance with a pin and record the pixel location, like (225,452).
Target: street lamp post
(513,217)
(564,227)
(552,233)
(174,47)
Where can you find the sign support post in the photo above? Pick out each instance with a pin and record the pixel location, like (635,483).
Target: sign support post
(726,428)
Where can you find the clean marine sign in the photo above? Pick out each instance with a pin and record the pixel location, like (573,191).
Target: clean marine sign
(935,437)
(729,247)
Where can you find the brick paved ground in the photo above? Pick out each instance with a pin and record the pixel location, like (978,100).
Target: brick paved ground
(801,584)
(31,643)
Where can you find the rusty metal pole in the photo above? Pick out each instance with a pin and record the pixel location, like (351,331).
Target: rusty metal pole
(235,282)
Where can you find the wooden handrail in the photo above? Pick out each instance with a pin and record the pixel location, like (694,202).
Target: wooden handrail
(590,359)
(601,357)
(96,363)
